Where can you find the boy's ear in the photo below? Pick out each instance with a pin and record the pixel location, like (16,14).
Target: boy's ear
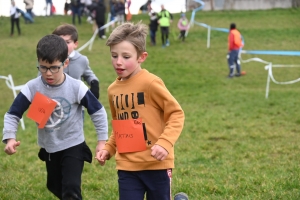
(75,44)
(66,63)
(142,57)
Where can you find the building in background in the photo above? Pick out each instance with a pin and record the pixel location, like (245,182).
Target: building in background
(242,4)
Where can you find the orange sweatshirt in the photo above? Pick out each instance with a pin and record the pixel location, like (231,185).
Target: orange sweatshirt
(145,96)
(234,40)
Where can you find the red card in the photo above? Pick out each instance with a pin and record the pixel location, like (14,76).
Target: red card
(129,135)
(40,109)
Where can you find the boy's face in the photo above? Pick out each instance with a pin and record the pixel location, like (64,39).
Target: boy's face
(71,44)
(55,77)
(125,60)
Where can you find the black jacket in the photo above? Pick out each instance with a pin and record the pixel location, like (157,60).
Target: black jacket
(100,12)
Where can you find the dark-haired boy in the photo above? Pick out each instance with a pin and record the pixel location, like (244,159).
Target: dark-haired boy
(62,141)
(78,67)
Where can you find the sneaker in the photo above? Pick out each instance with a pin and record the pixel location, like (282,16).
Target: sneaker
(167,43)
(181,196)
(103,36)
(237,75)
(230,76)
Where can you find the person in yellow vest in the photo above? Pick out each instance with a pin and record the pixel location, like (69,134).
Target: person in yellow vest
(235,43)
(165,18)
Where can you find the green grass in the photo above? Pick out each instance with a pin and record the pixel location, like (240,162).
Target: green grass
(235,144)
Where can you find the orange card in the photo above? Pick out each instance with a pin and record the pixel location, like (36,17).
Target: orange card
(129,135)
(40,109)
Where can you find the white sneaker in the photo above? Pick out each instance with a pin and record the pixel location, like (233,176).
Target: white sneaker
(181,196)
(167,43)
(103,36)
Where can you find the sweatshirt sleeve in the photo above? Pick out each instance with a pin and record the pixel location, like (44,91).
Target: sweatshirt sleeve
(97,113)
(172,112)
(13,116)
(88,74)
(110,146)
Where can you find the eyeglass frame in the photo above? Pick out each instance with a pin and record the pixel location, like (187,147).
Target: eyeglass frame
(49,68)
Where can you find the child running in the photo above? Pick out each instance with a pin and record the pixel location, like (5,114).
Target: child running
(140,99)
(62,142)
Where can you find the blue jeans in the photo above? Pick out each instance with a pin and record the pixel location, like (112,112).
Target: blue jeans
(76,11)
(234,62)
(153,36)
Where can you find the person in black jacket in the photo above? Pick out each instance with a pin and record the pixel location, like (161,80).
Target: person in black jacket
(100,18)
(153,27)
(75,7)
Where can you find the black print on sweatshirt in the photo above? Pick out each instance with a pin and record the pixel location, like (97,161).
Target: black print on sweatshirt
(124,102)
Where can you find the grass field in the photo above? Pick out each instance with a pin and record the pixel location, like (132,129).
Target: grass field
(236,144)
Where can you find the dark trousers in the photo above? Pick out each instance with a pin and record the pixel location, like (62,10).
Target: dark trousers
(14,21)
(153,36)
(164,34)
(182,35)
(76,11)
(64,169)
(155,183)
(101,32)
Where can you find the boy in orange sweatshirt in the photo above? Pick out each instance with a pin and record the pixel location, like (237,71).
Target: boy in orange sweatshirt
(140,101)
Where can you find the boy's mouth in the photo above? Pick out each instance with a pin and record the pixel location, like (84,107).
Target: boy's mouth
(49,80)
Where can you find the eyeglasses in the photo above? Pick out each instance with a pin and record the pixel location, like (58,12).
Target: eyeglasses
(53,69)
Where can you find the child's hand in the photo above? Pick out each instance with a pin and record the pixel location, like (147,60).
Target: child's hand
(100,145)
(158,152)
(11,146)
(102,156)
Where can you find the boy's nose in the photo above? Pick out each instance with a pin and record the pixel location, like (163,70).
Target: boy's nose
(48,72)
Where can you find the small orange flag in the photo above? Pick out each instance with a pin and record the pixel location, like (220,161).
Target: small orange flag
(40,109)
(129,135)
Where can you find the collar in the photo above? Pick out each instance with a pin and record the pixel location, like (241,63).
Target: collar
(72,54)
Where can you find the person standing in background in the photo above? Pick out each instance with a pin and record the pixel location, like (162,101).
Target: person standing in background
(153,27)
(120,11)
(28,7)
(112,5)
(49,2)
(235,43)
(183,26)
(66,7)
(75,7)
(14,18)
(100,18)
(164,19)
(129,15)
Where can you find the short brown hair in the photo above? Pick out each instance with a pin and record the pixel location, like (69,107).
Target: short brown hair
(136,34)
(67,29)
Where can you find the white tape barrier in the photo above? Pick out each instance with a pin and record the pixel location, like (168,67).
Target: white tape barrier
(270,76)
(10,84)
(91,41)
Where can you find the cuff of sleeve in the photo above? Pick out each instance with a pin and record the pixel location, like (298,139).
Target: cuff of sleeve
(110,149)
(9,135)
(165,144)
